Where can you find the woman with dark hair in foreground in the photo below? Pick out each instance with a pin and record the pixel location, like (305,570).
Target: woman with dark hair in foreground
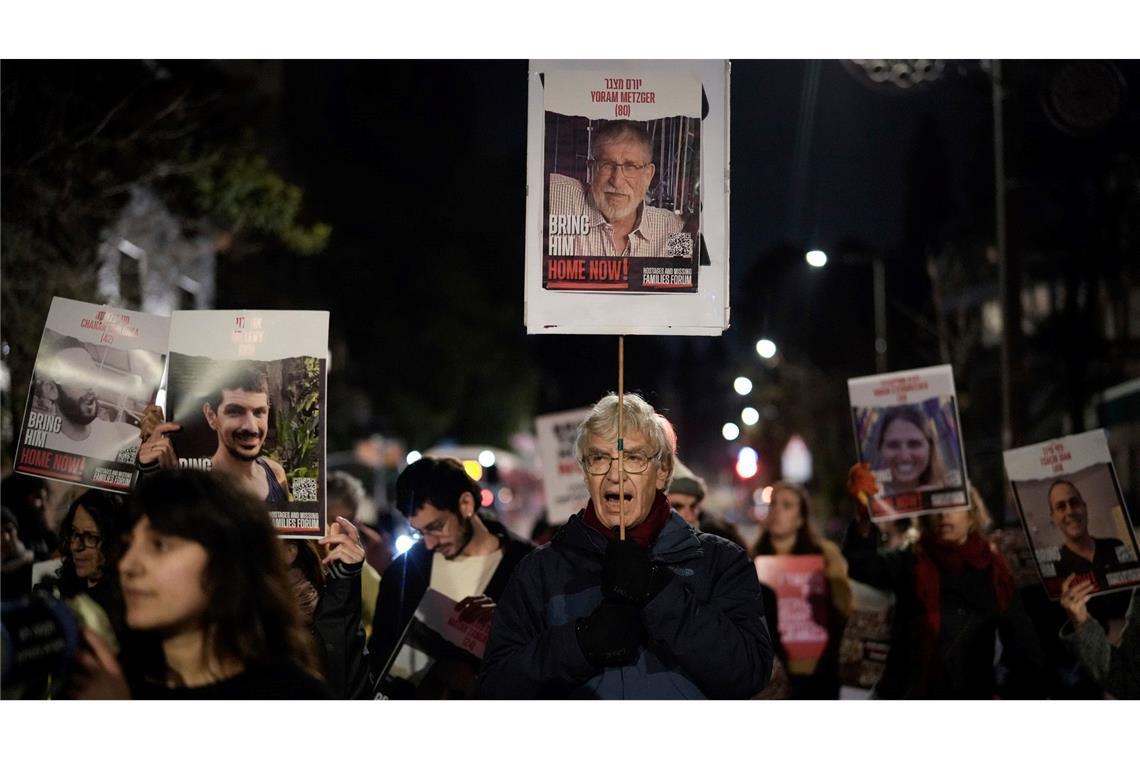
(204,575)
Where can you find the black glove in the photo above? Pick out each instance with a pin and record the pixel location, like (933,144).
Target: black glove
(610,635)
(628,575)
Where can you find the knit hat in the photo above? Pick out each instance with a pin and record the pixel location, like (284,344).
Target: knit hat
(685,481)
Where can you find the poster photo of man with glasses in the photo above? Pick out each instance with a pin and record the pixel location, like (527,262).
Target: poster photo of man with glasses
(622,164)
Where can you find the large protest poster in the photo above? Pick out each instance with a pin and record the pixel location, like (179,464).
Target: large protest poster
(627,211)
(908,431)
(96,370)
(866,638)
(562,478)
(248,389)
(438,654)
(1073,512)
(802,601)
(606,136)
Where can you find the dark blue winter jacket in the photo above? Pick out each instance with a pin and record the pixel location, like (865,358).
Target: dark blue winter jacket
(705,633)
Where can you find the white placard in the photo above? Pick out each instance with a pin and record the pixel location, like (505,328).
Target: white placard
(908,431)
(248,390)
(1073,512)
(96,370)
(562,478)
(658,283)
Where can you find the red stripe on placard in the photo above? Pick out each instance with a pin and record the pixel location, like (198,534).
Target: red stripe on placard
(588,286)
(49,473)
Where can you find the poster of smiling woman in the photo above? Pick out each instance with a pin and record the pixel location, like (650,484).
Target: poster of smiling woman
(1073,513)
(907,430)
(247,391)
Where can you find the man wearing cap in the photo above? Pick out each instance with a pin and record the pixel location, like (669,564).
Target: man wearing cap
(666,612)
(687,491)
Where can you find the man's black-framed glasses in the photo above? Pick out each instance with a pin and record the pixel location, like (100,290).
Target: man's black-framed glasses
(634,462)
(82,538)
(628,169)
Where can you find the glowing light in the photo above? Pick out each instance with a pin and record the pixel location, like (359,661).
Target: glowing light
(742,385)
(749,416)
(487,458)
(506,496)
(403,543)
(474,469)
(747,468)
(413,457)
(486,497)
(758,497)
(748,454)
(816,258)
(766,348)
(730,431)
(766,495)
(795,462)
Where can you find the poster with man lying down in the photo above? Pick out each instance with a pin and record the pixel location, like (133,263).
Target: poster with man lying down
(1073,512)
(908,432)
(96,370)
(246,396)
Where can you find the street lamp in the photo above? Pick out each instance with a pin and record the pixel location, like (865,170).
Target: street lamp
(730,431)
(749,416)
(816,258)
(742,385)
(766,348)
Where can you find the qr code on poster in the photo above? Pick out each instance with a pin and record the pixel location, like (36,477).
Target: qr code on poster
(128,455)
(679,244)
(304,489)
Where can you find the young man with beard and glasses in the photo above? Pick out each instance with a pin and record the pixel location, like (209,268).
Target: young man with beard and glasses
(238,411)
(666,613)
(73,381)
(464,555)
(620,222)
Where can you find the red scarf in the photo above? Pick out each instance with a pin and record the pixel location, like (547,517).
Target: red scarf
(644,533)
(932,558)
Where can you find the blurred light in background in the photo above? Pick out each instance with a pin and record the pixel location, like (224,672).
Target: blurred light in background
(795,461)
(487,458)
(506,496)
(403,543)
(816,258)
(730,431)
(742,385)
(766,348)
(766,494)
(747,462)
(487,497)
(473,468)
(749,416)
(413,456)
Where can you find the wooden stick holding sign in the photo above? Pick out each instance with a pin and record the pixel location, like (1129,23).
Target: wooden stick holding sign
(620,436)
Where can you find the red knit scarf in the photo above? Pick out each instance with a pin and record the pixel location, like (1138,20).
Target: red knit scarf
(932,559)
(644,533)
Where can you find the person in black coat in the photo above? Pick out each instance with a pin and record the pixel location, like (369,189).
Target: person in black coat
(465,554)
(953,593)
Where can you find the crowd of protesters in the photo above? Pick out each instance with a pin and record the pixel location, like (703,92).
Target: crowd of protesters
(641,594)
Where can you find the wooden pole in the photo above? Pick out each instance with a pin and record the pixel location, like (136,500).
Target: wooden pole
(621,436)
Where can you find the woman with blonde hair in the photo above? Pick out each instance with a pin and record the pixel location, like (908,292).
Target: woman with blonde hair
(953,593)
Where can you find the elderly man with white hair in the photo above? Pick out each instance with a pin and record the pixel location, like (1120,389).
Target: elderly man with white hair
(666,613)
